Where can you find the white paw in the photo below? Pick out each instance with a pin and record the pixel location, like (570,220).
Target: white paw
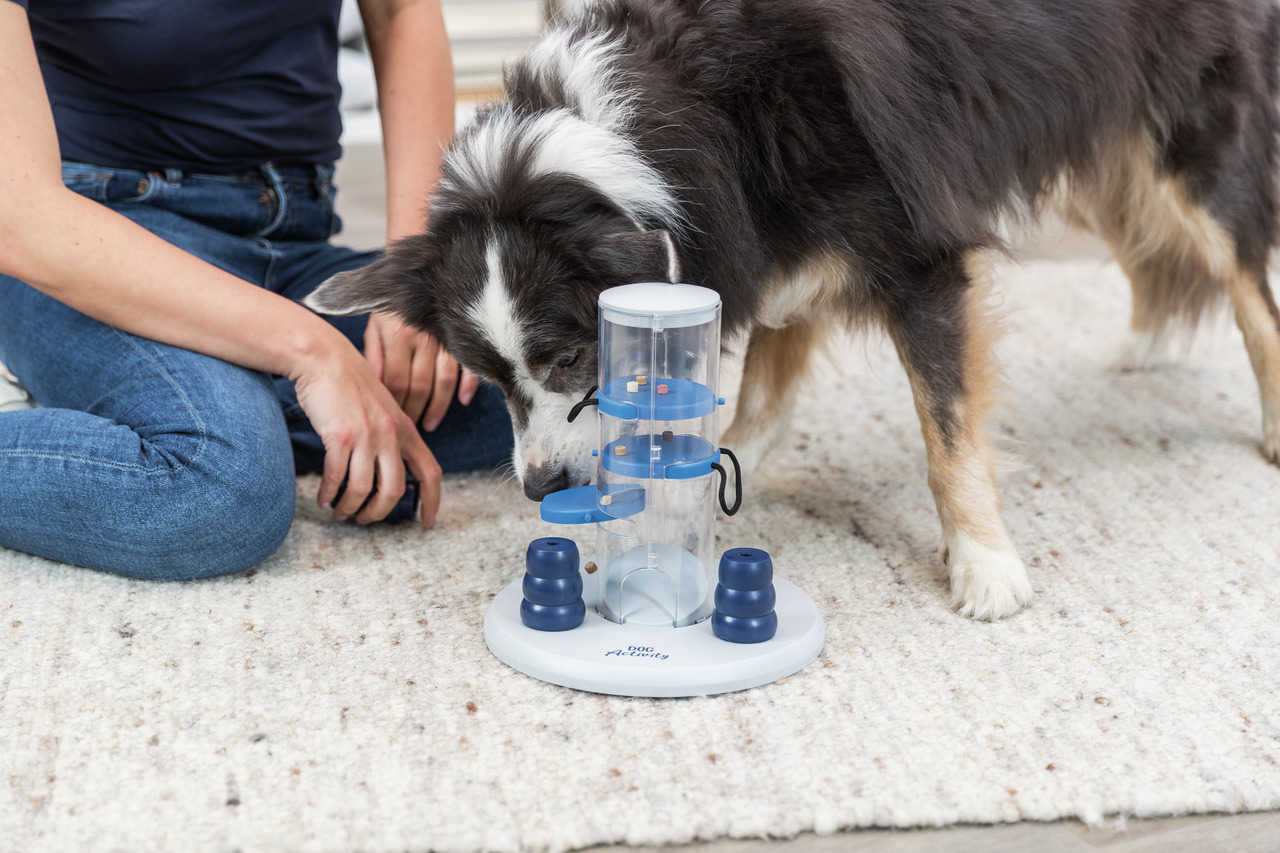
(986,583)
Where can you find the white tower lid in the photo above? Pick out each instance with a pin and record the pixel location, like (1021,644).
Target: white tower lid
(676,304)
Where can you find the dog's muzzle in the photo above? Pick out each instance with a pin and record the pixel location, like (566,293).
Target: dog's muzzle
(542,480)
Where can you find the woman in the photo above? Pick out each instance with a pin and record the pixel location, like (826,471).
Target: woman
(165,200)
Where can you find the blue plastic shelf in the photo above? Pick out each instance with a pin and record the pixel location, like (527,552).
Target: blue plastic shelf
(578,505)
(683,400)
(683,457)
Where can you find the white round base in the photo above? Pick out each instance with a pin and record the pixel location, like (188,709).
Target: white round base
(647,660)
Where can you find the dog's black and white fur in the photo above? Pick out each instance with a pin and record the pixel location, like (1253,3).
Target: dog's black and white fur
(829,162)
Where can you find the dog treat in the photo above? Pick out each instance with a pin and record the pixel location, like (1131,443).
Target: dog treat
(662,389)
(641,379)
(590,568)
(619,451)
(606,500)
(633,387)
(668,435)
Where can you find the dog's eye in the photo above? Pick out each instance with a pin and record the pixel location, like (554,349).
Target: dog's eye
(568,359)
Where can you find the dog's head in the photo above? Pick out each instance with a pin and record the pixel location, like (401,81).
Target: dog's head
(507,277)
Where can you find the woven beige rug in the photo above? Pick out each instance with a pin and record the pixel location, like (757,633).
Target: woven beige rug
(341,696)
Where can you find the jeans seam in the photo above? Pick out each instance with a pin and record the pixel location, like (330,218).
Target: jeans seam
(272,257)
(41,454)
(181,393)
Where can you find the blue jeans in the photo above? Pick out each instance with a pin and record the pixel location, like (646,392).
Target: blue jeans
(152,461)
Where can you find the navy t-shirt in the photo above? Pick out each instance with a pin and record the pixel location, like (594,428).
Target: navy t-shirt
(210,86)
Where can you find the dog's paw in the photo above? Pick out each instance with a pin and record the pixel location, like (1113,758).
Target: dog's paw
(986,583)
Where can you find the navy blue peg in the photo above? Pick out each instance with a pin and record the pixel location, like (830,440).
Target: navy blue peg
(552,586)
(745,597)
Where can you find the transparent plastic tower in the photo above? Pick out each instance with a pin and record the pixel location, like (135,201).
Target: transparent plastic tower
(651,583)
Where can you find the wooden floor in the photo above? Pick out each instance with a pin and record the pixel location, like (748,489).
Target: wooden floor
(360,203)
(1253,833)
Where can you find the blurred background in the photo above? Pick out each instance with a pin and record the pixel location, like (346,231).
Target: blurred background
(484,35)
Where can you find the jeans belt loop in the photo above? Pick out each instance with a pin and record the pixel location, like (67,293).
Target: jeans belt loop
(320,181)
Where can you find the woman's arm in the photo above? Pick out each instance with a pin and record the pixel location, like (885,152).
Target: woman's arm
(100,263)
(416,100)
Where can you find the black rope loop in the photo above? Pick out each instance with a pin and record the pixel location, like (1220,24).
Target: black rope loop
(588,400)
(724,482)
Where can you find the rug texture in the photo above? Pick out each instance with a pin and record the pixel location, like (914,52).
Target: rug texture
(341,697)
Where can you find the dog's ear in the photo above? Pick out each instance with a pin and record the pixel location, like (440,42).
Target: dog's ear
(637,256)
(395,282)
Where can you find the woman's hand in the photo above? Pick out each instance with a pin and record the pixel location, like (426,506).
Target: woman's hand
(365,433)
(419,373)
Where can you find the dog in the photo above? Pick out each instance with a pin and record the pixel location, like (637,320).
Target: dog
(825,163)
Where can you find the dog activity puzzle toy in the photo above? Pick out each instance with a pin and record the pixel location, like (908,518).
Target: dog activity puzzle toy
(652,611)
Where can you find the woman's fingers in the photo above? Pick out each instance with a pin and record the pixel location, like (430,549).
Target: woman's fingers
(388,488)
(446,371)
(424,383)
(425,467)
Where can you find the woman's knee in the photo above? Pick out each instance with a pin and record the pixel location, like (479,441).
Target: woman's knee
(219,522)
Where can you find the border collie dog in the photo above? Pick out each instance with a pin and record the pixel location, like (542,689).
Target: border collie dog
(846,162)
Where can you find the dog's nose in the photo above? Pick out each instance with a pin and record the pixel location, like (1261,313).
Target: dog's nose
(542,480)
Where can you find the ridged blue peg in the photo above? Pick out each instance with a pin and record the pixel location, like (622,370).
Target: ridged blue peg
(744,603)
(746,568)
(757,629)
(561,617)
(551,590)
(552,557)
(745,597)
(552,586)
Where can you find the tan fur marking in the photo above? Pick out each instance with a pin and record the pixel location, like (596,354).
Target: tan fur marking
(1262,339)
(1172,250)
(775,363)
(817,288)
(962,475)
(797,308)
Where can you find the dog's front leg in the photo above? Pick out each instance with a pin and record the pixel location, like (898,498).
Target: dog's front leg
(944,336)
(775,363)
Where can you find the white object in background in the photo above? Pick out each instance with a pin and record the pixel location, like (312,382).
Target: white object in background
(355,73)
(12,395)
(350,24)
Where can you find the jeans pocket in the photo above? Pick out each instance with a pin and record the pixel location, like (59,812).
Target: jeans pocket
(86,180)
